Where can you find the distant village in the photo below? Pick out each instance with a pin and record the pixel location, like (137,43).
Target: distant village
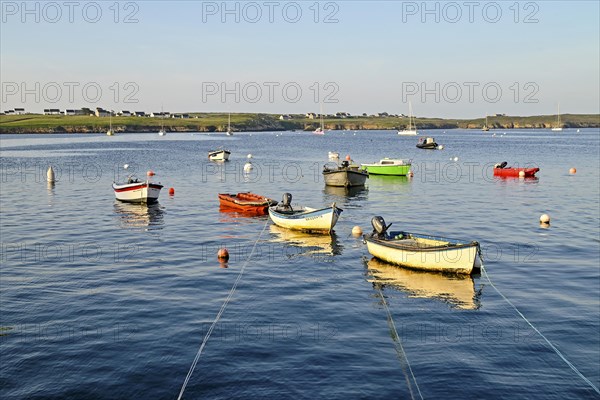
(101,112)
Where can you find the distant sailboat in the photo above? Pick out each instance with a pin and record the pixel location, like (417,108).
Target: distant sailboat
(110,131)
(320,130)
(162,131)
(412,128)
(486,126)
(229,132)
(558,126)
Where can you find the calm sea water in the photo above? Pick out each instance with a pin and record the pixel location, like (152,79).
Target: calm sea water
(105,300)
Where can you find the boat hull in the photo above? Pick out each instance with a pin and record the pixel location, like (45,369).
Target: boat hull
(425,253)
(137,192)
(308,220)
(345,177)
(408,133)
(219,155)
(394,170)
(246,203)
(428,146)
(514,172)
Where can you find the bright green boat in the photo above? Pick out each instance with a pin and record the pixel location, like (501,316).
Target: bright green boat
(389,166)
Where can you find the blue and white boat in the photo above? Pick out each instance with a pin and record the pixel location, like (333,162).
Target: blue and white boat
(304,218)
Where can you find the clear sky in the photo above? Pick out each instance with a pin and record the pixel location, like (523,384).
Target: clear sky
(450,59)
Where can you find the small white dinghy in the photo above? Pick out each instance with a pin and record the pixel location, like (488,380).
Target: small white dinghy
(219,155)
(304,218)
(137,191)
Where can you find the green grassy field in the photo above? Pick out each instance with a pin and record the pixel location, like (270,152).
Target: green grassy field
(217,122)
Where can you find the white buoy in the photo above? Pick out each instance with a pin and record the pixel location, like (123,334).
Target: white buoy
(125,166)
(545,219)
(249,156)
(248,167)
(357,231)
(50,175)
(455,159)
(441,147)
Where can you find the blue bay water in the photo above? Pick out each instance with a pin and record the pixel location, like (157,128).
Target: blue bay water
(105,300)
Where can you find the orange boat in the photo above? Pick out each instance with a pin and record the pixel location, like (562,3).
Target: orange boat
(246,203)
(503,171)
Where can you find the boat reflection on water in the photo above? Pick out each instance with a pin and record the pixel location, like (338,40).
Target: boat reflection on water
(306,244)
(456,290)
(359,192)
(140,215)
(384,183)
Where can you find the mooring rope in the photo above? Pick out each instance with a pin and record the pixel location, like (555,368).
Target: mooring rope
(214,323)
(539,333)
(399,348)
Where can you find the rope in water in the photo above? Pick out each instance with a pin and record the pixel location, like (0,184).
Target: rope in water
(214,323)
(540,333)
(399,348)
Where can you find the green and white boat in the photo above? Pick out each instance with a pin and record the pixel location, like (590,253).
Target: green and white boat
(389,166)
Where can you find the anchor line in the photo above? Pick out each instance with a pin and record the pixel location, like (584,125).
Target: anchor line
(399,349)
(221,311)
(540,333)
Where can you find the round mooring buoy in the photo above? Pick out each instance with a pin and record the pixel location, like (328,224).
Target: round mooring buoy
(573,171)
(223,254)
(171,192)
(545,219)
(150,173)
(357,231)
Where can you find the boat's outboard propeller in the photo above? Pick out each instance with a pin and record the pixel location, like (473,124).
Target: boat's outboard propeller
(345,164)
(379,227)
(286,202)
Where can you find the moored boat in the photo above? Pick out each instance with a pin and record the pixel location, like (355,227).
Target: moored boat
(502,170)
(219,155)
(424,252)
(136,191)
(246,202)
(304,218)
(345,175)
(388,166)
(428,144)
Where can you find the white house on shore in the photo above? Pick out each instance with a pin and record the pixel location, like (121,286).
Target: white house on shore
(100,112)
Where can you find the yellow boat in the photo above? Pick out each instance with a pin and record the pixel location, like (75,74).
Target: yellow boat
(424,252)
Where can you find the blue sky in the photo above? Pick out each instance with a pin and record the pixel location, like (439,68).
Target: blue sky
(518,58)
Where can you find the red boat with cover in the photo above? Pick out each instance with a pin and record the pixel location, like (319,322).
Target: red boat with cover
(503,171)
(246,202)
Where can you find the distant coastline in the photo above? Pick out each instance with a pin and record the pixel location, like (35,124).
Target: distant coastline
(247,122)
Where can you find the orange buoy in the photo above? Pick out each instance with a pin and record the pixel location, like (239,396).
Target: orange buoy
(171,192)
(348,157)
(150,173)
(223,254)
(573,171)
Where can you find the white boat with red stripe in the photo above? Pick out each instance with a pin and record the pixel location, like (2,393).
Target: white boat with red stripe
(138,191)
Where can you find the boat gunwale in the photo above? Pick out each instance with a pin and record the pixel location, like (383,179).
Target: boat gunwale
(454,244)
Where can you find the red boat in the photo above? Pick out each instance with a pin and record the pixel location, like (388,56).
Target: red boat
(515,172)
(246,202)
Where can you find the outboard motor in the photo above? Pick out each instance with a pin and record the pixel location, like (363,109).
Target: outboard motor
(504,164)
(345,164)
(286,202)
(379,227)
